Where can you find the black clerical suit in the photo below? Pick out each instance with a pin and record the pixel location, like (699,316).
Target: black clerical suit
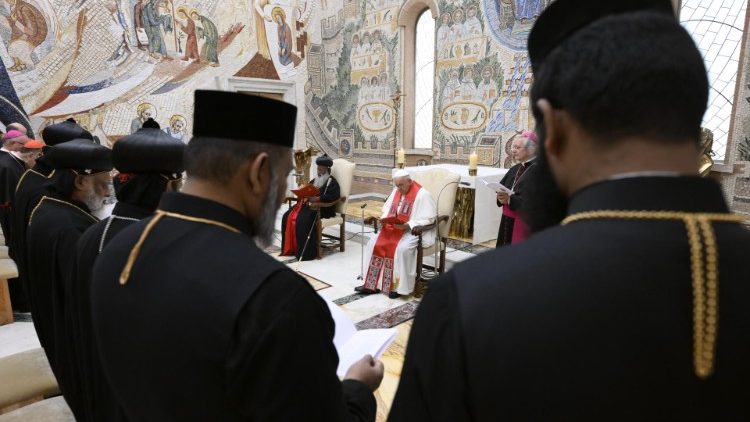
(100,403)
(587,321)
(30,189)
(11,169)
(209,327)
(53,232)
(515,181)
(306,220)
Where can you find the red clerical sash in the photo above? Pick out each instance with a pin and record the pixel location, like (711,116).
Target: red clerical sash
(385,246)
(290,231)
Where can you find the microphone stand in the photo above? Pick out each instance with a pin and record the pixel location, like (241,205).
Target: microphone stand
(362,246)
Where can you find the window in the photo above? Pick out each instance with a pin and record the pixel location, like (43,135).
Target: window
(424,80)
(716,26)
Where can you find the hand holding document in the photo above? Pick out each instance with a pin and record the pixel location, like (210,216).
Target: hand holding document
(352,345)
(497,187)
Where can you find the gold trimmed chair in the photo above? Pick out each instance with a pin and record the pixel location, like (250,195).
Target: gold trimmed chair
(343,171)
(442,185)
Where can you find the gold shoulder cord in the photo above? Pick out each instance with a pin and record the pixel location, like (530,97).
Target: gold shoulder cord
(125,275)
(48,198)
(31,171)
(705,273)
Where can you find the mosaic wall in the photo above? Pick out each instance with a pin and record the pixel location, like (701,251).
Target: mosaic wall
(483,78)
(736,175)
(481,83)
(110,64)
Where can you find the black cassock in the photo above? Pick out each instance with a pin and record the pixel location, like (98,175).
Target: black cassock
(513,180)
(99,401)
(29,191)
(53,232)
(588,321)
(209,327)
(11,170)
(306,221)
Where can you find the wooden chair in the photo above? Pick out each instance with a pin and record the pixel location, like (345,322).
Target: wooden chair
(443,184)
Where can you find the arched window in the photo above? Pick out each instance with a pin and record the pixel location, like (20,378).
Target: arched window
(424,79)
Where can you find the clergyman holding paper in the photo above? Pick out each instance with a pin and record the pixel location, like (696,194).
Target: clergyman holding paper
(512,228)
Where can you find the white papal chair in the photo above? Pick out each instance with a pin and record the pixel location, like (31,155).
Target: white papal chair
(343,171)
(442,185)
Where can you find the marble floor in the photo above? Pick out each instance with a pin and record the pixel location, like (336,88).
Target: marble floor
(335,276)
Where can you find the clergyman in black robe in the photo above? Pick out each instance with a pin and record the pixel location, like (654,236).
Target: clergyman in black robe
(298,236)
(614,313)
(193,320)
(511,229)
(55,225)
(149,163)
(32,186)
(11,169)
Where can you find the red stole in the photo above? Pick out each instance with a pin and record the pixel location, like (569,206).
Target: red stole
(290,231)
(385,246)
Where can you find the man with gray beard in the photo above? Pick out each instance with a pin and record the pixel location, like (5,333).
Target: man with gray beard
(194,322)
(298,237)
(64,212)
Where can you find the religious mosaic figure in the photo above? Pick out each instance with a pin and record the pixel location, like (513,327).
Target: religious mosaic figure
(452,89)
(468,87)
(191,43)
(153,23)
(458,25)
(285,36)
(260,27)
(472,26)
(487,91)
(529,9)
(210,34)
(144,112)
(176,129)
(444,35)
(28,31)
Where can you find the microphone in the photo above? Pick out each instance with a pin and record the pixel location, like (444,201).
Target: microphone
(364,204)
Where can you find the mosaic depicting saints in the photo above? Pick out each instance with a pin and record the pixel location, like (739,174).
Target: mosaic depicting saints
(511,20)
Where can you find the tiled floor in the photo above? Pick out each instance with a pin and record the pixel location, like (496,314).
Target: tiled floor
(339,271)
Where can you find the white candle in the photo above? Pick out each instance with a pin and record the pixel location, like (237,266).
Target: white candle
(473,159)
(401,156)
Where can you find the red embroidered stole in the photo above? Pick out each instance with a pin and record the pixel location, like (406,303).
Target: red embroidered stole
(385,246)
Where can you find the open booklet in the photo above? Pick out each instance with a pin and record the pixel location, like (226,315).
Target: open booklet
(352,345)
(497,187)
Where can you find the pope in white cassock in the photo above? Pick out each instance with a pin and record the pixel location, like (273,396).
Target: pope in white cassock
(392,254)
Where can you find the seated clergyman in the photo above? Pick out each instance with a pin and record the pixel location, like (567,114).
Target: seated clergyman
(298,235)
(392,254)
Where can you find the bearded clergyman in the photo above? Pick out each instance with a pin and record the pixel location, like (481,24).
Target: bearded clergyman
(80,187)
(298,236)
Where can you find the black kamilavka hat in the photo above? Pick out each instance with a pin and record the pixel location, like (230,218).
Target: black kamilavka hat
(564,17)
(242,117)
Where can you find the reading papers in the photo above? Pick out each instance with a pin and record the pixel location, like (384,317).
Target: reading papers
(352,345)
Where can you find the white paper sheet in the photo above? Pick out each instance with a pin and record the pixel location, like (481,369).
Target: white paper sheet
(497,187)
(352,345)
